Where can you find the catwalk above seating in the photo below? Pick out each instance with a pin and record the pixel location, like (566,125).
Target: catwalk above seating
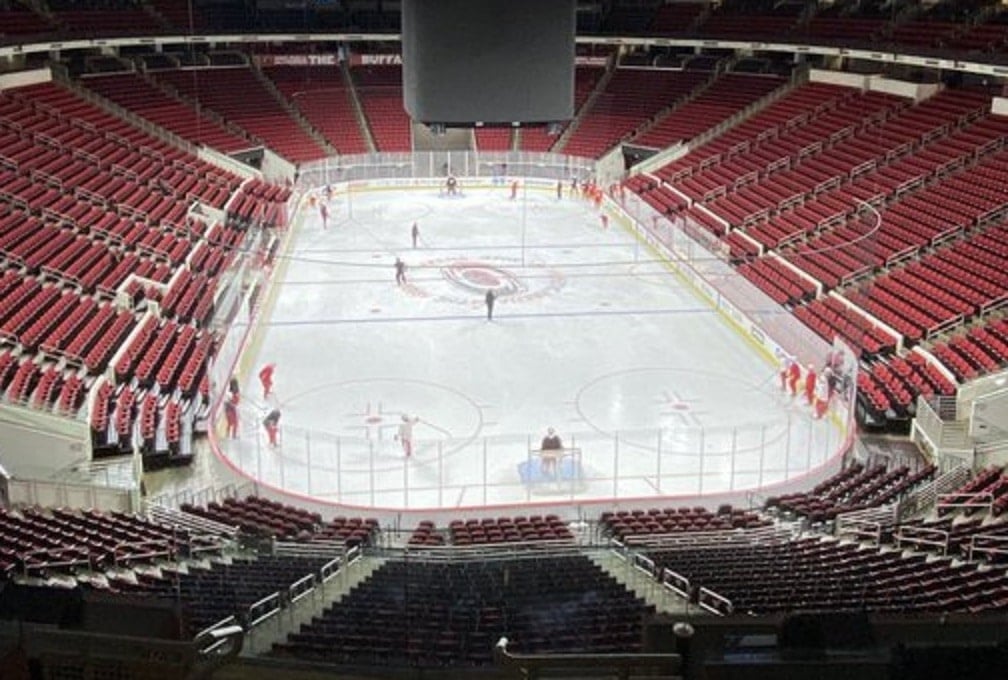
(675,17)
(125,20)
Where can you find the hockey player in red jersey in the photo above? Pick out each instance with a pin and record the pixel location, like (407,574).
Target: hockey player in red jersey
(794,374)
(272,424)
(810,384)
(266,378)
(822,396)
(231,415)
(784,364)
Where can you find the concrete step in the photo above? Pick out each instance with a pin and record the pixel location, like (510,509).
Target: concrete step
(640,583)
(290,619)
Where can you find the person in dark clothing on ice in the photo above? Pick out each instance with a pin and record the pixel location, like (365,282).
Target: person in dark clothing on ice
(491,297)
(400,272)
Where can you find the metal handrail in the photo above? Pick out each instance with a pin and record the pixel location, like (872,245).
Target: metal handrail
(263,609)
(599,664)
(715,604)
(300,588)
(485,551)
(222,639)
(163,546)
(766,534)
(971,500)
(645,565)
(330,569)
(676,582)
(988,545)
(923,536)
(24,557)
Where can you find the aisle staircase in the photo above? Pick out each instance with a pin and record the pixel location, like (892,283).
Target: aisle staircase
(293,111)
(362,120)
(260,639)
(600,88)
(655,594)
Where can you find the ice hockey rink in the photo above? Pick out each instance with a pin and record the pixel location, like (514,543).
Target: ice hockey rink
(651,389)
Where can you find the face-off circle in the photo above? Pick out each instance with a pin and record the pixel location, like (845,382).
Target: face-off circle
(678,401)
(366,413)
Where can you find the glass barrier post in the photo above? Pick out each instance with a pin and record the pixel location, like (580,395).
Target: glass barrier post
(282,460)
(734,451)
(259,474)
(808,453)
(828,439)
(339,469)
(787,439)
(703,442)
(615,472)
(658,449)
(371,470)
(528,469)
(575,468)
(308,464)
(787,461)
(405,481)
(484,471)
(762,454)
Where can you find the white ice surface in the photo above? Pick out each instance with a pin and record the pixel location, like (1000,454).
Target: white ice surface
(591,335)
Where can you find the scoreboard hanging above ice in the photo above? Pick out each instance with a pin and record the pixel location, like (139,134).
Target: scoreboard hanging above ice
(488,61)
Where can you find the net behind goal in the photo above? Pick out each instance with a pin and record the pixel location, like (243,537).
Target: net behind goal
(450,187)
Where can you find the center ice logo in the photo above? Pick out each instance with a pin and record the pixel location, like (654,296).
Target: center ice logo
(474,277)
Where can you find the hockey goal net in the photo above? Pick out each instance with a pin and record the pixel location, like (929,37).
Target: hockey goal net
(451,186)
